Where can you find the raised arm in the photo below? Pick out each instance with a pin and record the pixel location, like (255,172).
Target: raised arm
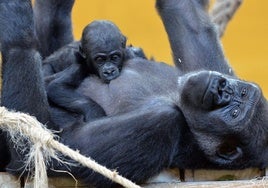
(53,24)
(192,36)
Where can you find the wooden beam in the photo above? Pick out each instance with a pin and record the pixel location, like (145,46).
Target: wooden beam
(9,181)
(212,184)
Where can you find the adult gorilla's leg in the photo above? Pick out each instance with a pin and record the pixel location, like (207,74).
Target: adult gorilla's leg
(137,144)
(53,24)
(23,87)
(193,38)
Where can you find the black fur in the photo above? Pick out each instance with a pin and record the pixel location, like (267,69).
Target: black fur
(102,53)
(53,25)
(158,116)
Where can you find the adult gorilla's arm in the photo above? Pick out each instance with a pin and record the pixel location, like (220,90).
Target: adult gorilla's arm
(192,36)
(138,144)
(23,87)
(53,24)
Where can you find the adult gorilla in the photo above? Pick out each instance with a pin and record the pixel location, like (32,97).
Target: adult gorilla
(204,119)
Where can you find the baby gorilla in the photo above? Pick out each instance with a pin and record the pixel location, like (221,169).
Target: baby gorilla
(102,53)
(103,46)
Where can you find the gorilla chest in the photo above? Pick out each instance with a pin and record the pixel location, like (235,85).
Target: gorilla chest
(115,97)
(133,88)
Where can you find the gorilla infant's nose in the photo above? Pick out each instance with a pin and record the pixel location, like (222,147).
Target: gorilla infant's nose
(109,72)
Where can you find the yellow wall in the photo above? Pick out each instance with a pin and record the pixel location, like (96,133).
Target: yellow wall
(245,41)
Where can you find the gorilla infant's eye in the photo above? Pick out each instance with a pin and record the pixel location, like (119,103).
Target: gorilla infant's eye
(244,92)
(115,57)
(100,59)
(235,112)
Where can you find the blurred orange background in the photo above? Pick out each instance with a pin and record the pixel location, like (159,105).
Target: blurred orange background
(245,40)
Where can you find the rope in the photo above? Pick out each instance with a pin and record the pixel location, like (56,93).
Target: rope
(23,126)
(222,12)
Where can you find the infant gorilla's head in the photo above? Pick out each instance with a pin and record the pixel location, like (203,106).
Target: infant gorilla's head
(103,46)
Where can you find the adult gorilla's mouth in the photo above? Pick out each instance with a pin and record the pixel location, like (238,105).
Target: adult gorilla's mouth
(229,152)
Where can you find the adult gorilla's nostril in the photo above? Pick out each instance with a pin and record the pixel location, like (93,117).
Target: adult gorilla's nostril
(223,93)
(224,86)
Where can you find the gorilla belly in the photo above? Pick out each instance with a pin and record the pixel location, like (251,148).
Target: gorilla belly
(139,82)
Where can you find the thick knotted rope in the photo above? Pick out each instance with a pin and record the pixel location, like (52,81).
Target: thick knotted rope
(21,126)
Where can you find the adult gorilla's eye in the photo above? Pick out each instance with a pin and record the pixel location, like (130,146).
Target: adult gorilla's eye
(244,92)
(235,112)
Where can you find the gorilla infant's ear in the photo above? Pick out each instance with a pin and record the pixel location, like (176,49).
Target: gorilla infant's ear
(81,52)
(123,41)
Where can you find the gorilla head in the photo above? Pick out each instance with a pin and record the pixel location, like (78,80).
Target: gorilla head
(104,46)
(227,118)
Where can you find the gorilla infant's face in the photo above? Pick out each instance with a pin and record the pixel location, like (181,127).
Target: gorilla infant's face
(219,110)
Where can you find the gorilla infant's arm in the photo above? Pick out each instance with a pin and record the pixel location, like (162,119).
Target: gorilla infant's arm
(61,59)
(62,93)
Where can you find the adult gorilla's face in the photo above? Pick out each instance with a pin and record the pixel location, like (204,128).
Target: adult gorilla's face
(221,111)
